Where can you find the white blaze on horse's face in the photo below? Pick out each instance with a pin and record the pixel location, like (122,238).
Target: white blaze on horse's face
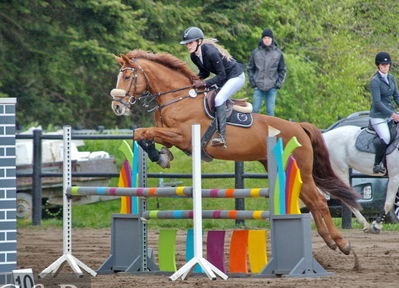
(125,92)
(118,94)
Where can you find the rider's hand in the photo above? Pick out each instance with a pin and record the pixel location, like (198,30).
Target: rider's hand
(395,117)
(199,84)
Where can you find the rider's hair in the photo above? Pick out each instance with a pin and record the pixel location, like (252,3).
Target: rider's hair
(222,51)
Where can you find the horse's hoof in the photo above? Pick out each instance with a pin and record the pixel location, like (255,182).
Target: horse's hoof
(332,245)
(372,229)
(163,160)
(166,151)
(375,228)
(346,249)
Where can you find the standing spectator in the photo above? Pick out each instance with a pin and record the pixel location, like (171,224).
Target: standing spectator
(266,72)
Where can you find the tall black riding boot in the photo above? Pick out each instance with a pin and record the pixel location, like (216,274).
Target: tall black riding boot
(221,121)
(380,149)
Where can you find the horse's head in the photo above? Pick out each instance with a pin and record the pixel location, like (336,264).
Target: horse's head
(132,82)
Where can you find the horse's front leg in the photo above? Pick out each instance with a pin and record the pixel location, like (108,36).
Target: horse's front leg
(145,137)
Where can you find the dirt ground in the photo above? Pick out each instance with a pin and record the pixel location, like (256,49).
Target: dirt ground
(378,256)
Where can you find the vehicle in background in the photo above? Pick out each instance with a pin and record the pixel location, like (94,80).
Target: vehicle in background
(371,188)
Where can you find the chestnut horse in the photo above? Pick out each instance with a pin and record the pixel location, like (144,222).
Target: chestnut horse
(166,80)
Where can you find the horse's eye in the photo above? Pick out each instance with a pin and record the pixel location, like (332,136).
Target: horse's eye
(127,77)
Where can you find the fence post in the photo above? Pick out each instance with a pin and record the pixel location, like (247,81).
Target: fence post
(239,184)
(37,179)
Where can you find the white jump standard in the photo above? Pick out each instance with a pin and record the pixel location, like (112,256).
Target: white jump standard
(210,270)
(67,256)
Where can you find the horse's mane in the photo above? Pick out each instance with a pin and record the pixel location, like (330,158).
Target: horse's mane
(165,59)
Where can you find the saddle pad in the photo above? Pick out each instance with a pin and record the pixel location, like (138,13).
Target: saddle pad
(236,118)
(365,142)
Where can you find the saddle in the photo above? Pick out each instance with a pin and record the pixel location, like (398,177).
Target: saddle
(238,111)
(367,137)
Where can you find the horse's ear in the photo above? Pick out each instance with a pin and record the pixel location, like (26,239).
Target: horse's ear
(119,59)
(126,60)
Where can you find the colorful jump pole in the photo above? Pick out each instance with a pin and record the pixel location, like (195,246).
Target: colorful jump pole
(181,191)
(207,214)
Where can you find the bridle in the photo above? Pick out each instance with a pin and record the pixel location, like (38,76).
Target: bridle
(133,81)
(146,97)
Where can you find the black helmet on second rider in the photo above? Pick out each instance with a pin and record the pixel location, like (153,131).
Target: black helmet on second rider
(382,58)
(192,34)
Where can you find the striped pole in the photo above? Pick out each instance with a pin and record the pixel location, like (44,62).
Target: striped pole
(182,191)
(207,214)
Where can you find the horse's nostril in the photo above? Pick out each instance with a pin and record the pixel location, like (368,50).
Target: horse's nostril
(118,109)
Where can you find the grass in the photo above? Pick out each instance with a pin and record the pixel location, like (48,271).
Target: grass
(98,215)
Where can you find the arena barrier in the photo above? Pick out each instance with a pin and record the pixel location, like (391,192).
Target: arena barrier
(291,256)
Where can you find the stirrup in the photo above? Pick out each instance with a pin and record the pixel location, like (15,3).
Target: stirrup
(379,168)
(219,141)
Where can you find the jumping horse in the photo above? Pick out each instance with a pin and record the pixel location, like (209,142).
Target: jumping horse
(167,81)
(345,147)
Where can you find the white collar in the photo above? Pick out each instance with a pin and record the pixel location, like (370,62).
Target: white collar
(385,76)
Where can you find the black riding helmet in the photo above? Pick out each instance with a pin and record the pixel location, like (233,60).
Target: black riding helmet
(191,34)
(382,58)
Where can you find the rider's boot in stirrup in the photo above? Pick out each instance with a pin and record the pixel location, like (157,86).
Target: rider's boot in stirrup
(221,124)
(379,156)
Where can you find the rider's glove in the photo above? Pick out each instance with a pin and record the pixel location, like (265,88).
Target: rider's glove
(199,84)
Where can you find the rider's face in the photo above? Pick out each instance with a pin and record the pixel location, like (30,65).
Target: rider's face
(384,68)
(191,46)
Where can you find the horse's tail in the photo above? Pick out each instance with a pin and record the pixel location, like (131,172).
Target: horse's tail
(323,174)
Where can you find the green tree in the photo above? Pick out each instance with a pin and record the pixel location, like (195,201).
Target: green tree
(57,56)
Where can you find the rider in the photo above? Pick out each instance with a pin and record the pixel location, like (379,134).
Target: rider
(229,74)
(383,88)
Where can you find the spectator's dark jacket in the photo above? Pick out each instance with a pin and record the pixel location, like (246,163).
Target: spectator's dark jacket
(214,62)
(266,68)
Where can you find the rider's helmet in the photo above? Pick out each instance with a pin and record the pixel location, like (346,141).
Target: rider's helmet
(191,34)
(382,58)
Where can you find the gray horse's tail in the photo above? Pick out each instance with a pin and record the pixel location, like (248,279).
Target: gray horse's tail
(323,174)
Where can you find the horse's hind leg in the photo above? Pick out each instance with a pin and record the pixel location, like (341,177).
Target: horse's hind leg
(336,235)
(322,217)
(314,208)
